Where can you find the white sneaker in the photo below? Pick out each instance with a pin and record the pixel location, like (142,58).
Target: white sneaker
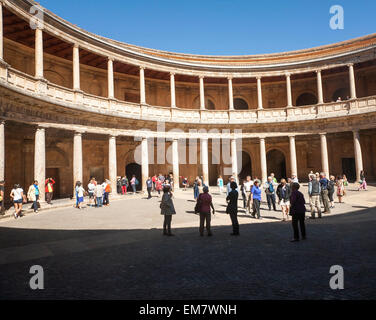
(15,215)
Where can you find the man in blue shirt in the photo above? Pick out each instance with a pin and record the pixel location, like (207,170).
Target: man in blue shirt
(324,192)
(270,187)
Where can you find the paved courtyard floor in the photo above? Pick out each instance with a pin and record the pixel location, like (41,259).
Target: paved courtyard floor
(118,252)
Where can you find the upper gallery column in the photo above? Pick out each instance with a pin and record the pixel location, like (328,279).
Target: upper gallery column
(142,85)
(320,96)
(77,157)
(230,94)
(202,93)
(172,90)
(294,167)
(234,159)
(112,163)
(352,81)
(76,67)
(259,93)
(144,162)
(1,32)
(110,78)
(324,155)
(264,170)
(205,160)
(288,87)
(358,154)
(175,163)
(40,160)
(2,150)
(38,53)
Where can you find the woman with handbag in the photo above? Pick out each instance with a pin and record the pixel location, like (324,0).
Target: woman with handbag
(17,197)
(33,195)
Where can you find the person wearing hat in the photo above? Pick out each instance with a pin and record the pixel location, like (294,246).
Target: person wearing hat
(204,203)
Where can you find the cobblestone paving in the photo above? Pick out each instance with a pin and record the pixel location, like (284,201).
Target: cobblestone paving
(118,252)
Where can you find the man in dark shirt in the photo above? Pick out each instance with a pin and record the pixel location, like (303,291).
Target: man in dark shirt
(232,208)
(324,192)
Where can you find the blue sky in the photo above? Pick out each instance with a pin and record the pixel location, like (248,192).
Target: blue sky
(219,27)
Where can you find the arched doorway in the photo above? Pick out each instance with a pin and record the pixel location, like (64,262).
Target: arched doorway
(342,93)
(276,163)
(134,169)
(240,104)
(245,166)
(306,99)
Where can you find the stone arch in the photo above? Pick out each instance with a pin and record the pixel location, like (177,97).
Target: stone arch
(276,163)
(306,99)
(343,93)
(240,103)
(209,103)
(55,77)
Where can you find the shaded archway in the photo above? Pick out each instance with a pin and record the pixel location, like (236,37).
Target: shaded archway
(213,169)
(276,163)
(244,164)
(134,169)
(209,104)
(342,93)
(306,99)
(240,104)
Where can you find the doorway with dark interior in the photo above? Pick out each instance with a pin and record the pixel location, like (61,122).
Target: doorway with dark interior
(134,169)
(276,163)
(348,168)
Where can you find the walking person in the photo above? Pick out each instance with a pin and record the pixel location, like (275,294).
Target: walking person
(283,193)
(98,193)
(158,186)
(232,208)
(362,182)
(33,195)
(270,188)
(17,196)
(324,192)
(49,183)
(2,197)
(220,184)
(133,183)
(80,191)
(203,205)
(297,211)
(256,199)
(124,185)
(331,189)
(167,209)
(149,186)
(340,189)
(314,192)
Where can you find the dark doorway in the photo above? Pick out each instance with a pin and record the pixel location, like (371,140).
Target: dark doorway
(240,104)
(245,166)
(134,169)
(276,163)
(306,99)
(213,170)
(97,173)
(54,174)
(348,168)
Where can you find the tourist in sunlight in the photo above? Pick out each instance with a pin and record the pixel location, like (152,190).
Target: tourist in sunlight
(167,209)
(203,205)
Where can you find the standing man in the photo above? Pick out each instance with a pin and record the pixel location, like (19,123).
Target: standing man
(149,186)
(247,189)
(49,189)
(232,207)
(314,191)
(270,187)
(297,212)
(2,200)
(324,192)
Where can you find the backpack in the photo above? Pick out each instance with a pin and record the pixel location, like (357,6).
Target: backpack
(136,182)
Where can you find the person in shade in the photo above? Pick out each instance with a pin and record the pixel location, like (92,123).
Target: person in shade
(204,203)
(232,207)
(297,211)
(167,209)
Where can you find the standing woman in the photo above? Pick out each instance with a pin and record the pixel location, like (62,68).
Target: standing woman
(297,212)
(204,203)
(283,193)
(220,184)
(232,208)
(340,189)
(331,189)
(167,209)
(362,182)
(17,197)
(256,199)
(33,195)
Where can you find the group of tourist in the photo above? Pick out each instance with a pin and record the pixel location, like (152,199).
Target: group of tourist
(99,193)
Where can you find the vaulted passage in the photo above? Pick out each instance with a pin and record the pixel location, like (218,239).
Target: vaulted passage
(276,163)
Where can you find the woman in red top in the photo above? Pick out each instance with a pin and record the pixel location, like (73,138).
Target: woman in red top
(204,203)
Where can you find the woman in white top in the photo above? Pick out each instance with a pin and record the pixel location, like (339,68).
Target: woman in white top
(17,197)
(80,194)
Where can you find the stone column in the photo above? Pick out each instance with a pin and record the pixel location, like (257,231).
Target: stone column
(2,150)
(112,164)
(205,160)
(1,33)
(172,90)
(39,53)
(234,160)
(142,86)
(289,93)
(294,167)
(259,93)
(110,78)
(264,170)
(320,96)
(202,93)
(230,94)
(324,155)
(352,81)
(76,67)
(358,154)
(144,163)
(175,163)
(77,159)
(40,160)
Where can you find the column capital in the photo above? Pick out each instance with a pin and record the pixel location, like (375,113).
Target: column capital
(201,76)
(262,139)
(351,64)
(355,131)
(79,132)
(110,59)
(113,135)
(291,136)
(76,45)
(142,67)
(287,74)
(318,70)
(229,77)
(2,121)
(258,77)
(322,133)
(172,73)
